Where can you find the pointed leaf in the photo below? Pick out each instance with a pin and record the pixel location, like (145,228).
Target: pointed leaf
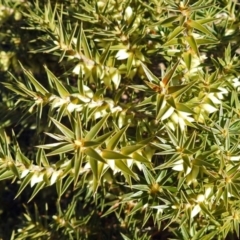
(94,167)
(168,76)
(187,57)
(41,158)
(67,132)
(78,128)
(101,139)
(6,175)
(78,159)
(63,92)
(191,41)
(52,145)
(36,84)
(96,128)
(124,237)
(14,169)
(167,22)
(38,187)
(61,150)
(206,41)
(66,184)
(131,149)
(130,60)
(123,167)
(112,143)
(161,102)
(209,236)
(165,112)
(94,154)
(199,27)
(150,76)
(105,54)
(82,43)
(24,183)
(109,154)
(148,176)
(177,91)
(178,30)
(138,157)
(183,108)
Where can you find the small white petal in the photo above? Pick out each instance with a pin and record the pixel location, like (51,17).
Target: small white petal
(36,178)
(71,107)
(214,99)
(207,192)
(234,158)
(178,166)
(122,54)
(168,113)
(24,173)
(195,211)
(54,177)
(128,13)
(200,198)
(209,108)
(77,69)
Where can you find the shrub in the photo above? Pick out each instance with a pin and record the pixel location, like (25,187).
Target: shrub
(120,119)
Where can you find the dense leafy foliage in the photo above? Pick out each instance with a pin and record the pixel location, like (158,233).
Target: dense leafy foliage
(120,119)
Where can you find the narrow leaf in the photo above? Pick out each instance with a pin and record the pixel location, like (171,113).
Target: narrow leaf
(66,184)
(191,41)
(64,149)
(177,91)
(38,187)
(112,143)
(24,184)
(150,76)
(131,149)
(109,154)
(84,44)
(94,167)
(94,154)
(36,84)
(175,33)
(168,76)
(6,175)
(187,57)
(78,159)
(199,27)
(96,128)
(67,132)
(123,167)
(138,157)
(63,92)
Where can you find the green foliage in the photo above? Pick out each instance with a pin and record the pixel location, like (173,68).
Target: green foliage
(120,119)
